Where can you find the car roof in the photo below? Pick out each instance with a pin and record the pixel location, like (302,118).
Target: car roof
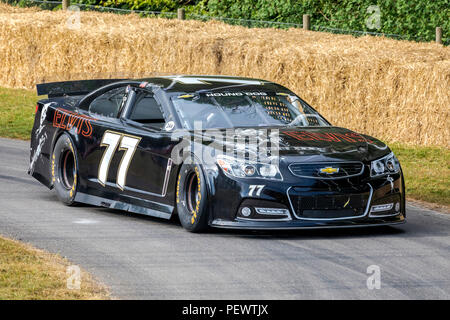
(194,83)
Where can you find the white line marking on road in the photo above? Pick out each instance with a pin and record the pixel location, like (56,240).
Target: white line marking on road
(85,221)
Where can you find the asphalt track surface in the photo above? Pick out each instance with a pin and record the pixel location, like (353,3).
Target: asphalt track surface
(139,257)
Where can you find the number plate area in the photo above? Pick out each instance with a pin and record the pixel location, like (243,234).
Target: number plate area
(314,204)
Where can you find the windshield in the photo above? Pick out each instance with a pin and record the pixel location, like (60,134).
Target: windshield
(245,109)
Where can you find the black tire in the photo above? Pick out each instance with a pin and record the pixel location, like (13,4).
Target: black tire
(65,170)
(192,198)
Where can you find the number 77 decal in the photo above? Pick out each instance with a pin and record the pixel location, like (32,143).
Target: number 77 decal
(111,140)
(257,187)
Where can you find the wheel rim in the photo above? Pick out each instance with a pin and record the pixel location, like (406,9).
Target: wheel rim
(192,192)
(67,168)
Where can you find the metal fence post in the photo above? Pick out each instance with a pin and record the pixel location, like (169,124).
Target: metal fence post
(439,35)
(181,13)
(306,22)
(65,4)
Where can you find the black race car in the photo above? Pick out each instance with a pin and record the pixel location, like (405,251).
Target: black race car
(217,151)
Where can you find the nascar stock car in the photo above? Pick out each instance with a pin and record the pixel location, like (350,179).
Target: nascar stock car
(217,151)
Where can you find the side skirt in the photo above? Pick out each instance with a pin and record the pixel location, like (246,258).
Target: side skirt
(119,205)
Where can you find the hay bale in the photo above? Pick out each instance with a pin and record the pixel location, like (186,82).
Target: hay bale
(395,90)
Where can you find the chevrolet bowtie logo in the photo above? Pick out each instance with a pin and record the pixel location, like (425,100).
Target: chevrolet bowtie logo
(329,170)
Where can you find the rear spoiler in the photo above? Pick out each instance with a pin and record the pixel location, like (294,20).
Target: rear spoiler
(72,88)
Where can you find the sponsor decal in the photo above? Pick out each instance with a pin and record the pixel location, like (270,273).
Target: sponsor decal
(42,136)
(53,168)
(37,153)
(68,120)
(178,189)
(234,94)
(199,197)
(351,137)
(72,190)
(42,118)
(208,80)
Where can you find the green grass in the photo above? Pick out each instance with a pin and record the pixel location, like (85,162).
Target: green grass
(28,273)
(427,172)
(17,107)
(426,169)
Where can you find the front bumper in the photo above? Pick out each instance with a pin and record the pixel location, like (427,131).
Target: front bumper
(227,204)
(298,224)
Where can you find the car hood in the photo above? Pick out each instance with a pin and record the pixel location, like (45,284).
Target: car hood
(330,143)
(300,143)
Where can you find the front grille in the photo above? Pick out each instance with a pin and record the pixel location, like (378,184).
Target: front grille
(328,205)
(319,170)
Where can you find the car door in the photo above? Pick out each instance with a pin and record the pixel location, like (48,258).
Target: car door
(129,156)
(149,171)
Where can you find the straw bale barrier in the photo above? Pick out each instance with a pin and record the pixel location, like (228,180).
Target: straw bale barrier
(394,90)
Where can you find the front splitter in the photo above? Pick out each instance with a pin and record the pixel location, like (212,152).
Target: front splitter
(299,224)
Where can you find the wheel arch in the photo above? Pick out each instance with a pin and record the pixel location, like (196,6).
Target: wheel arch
(75,142)
(209,183)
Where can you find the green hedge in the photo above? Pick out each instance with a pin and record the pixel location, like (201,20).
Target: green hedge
(144,5)
(412,19)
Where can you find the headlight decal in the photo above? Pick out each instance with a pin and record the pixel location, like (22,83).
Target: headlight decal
(240,168)
(387,165)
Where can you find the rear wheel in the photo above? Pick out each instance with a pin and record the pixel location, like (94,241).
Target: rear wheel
(191,197)
(64,169)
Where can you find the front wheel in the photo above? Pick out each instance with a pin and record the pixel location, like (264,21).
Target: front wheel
(64,169)
(191,197)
